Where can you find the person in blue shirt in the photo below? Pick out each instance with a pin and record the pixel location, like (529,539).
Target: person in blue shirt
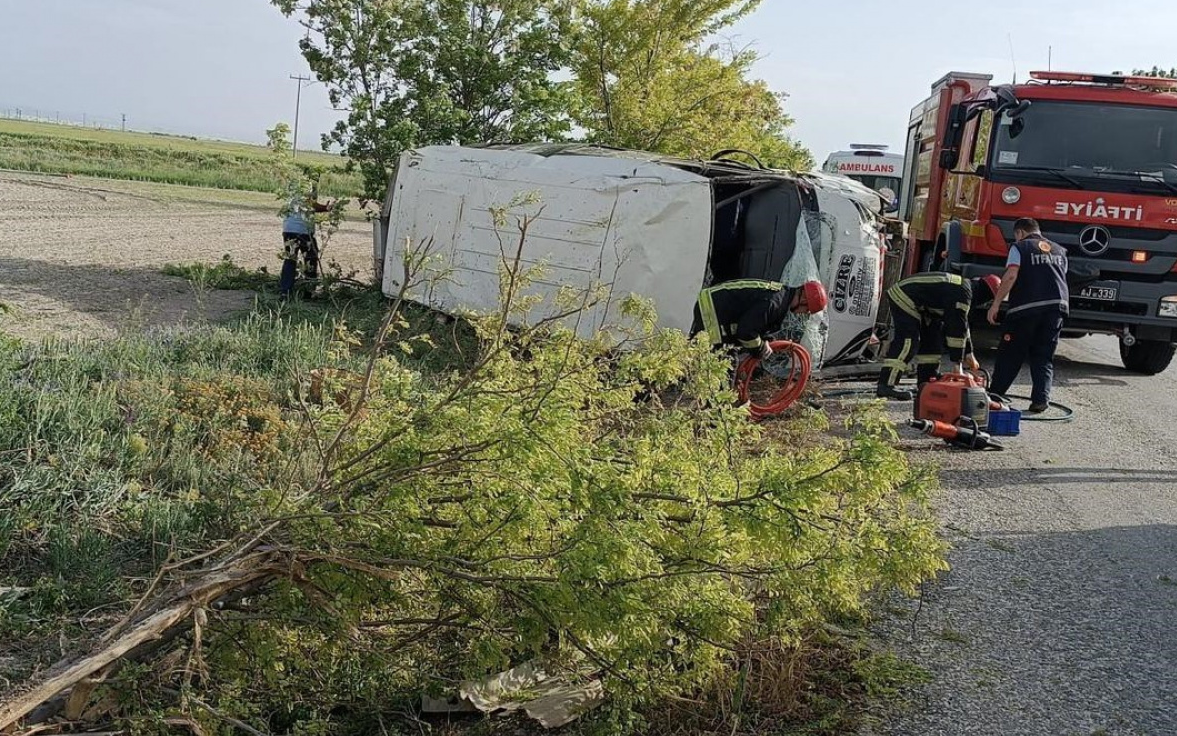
(298,239)
(1035,281)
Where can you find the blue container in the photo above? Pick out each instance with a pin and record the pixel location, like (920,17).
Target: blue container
(1005,423)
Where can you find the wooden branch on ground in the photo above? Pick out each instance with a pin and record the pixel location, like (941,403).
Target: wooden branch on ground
(152,624)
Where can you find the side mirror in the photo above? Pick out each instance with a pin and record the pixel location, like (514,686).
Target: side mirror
(1020,109)
(953,133)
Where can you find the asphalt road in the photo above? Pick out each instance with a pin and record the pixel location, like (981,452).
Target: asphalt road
(1059,615)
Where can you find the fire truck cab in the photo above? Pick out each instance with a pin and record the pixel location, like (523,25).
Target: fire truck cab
(1093,158)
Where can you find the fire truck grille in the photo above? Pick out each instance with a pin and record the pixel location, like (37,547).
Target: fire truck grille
(1071,230)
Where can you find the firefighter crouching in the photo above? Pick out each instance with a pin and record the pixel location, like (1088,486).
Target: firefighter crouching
(742,313)
(930,312)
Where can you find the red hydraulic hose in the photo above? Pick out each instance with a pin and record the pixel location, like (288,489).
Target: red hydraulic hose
(791,387)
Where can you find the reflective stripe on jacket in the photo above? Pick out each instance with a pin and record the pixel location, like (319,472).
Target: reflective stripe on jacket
(1042,277)
(741,312)
(938,296)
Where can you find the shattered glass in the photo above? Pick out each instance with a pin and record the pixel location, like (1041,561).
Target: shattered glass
(809,330)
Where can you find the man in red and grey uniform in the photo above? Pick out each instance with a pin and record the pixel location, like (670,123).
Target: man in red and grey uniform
(1039,299)
(742,312)
(929,312)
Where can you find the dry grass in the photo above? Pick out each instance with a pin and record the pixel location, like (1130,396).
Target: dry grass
(774,687)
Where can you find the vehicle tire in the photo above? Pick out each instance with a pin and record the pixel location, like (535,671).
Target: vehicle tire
(926,259)
(1149,357)
(929,263)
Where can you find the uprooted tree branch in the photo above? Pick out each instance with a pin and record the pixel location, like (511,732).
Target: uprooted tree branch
(547,500)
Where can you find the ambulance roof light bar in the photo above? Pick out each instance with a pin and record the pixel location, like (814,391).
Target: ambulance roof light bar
(1109,79)
(868,147)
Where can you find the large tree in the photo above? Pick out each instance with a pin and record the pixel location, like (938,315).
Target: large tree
(418,72)
(638,74)
(649,77)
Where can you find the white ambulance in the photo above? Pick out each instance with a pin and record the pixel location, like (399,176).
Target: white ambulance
(871,165)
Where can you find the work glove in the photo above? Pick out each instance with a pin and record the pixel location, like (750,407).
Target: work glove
(765,350)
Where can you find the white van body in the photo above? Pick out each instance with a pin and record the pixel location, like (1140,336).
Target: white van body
(641,223)
(641,226)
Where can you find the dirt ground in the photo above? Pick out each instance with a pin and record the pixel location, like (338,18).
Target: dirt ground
(81,257)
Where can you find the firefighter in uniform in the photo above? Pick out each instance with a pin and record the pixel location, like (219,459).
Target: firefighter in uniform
(929,311)
(742,312)
(1039,299)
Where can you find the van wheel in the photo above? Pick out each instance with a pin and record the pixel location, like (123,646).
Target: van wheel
(1148,357)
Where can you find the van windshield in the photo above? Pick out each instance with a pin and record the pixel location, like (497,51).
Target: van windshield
(878,183)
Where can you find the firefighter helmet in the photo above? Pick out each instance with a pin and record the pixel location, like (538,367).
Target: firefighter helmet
(813,295)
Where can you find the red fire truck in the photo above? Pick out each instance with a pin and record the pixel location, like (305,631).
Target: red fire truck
(1092,157)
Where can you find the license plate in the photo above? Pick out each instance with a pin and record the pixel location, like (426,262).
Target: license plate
(1099,293)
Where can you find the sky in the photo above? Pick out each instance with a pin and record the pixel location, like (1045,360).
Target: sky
(853,69)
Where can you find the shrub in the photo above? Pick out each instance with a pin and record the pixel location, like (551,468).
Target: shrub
(543,497)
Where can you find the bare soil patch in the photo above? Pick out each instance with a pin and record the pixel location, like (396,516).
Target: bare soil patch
(81,257)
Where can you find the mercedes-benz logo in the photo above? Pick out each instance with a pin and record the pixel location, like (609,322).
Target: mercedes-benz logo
(1095,240)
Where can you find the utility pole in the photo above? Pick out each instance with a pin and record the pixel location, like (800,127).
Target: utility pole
(297,105)
(124,122)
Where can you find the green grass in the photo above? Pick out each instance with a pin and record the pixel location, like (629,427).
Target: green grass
(334,302)
(885,675)
(115,452)
(223,275)
(181,194)
(60,149)
(174,142)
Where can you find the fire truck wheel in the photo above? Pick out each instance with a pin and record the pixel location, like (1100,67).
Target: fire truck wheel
(1149,357)
(929,262)
(934,259)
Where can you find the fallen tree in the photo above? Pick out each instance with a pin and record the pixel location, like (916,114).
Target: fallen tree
(394,530)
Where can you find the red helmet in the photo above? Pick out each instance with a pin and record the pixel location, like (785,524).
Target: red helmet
(813,294)
(993,282)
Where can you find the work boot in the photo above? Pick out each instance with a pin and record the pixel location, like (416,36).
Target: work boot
(892,393)
(1037,407)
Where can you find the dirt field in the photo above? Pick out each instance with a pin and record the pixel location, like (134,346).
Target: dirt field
(81,257)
